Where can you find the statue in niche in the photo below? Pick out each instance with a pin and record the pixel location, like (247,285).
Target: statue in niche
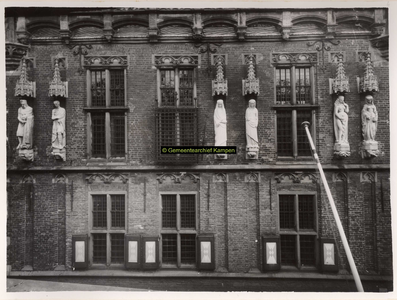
(369,120)
(251,129)
(341,121)
(25,126)
(220,126)
(58,127)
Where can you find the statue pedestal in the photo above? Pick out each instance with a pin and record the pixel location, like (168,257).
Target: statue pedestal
(369,149)
(342,149)
(26,154)
(59,153)
(221,156)
(251,152)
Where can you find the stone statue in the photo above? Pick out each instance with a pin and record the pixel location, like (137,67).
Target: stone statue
(251,129)
(369,118)
(58,127)
(341,122)
(25,126)
(220,125)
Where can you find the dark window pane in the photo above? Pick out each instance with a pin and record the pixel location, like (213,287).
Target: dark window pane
(186,87)
(188,211)
(117,131)
(288,249)
(284,133)
(167,88)
(117,245)
(187,129)
(118,211)
(303,141)
(287,211)
(117,87)
(98,88)
(283,86)
(306,211)
(188,248)
(99,211)
(307,247)
(302,86)
(99,248)
(168,211)
(169,248)
(167,129)
(98,135)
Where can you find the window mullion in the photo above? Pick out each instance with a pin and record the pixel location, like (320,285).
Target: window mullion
(178,228)
(89,84)
(294,134)
(107,134)
(313,99)
(158,87)
(194,87)
(298,254)
(89,135)
(177,87)
(109,224)
(125,87)
(107,87)
(293,87)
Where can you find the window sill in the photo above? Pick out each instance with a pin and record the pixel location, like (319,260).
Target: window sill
(116,266)
(291,269)
(297,161)
(106,109)
(107,162)
(295,106)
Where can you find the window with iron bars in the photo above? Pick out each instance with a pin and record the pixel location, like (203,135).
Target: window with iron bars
(294,104)
(298,230)
(106,113)
(108,228)
(178,229)
(176,115)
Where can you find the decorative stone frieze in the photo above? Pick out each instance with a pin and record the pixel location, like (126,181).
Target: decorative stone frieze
(220,177)
(252,177)
(93,61)
(106,178)
(297,177)
(309,57)
(178,178)
(176,60)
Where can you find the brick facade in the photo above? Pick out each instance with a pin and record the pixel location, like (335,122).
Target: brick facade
(238,212)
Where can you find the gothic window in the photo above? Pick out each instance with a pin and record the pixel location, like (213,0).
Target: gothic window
(178,229)
(298,229)
(106,108)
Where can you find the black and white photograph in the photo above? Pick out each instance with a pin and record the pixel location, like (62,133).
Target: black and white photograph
(154,148)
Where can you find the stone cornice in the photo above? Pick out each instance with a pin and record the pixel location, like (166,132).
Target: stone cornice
(204,168)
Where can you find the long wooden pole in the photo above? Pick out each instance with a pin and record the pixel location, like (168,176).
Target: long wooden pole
(335,212)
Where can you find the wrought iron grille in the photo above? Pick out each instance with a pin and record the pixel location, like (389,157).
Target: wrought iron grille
(98,88)
(176,127)
(117,88)
(283,86)
(99,211)
(307,250)
(287,211)
(167,88)
(284,133)
(99,248)
(98,135)
(188,248)
(117,132)
(303,144)
(117,247)
(186,87)
(168,211)
(306,211)
(169,248)
(188,211)
(118,211)
(302,85)
(288,252)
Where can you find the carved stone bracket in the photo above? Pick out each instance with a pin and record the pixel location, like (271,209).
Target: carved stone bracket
(107,27)
(369,149)
(107,178)
(297,177)
(14,54)
(80,50)
(26,154)
(341,150)
(220,177)
(252,177)
(178,178)
(368,177)
(241,26)
(197,29)
(153,29)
